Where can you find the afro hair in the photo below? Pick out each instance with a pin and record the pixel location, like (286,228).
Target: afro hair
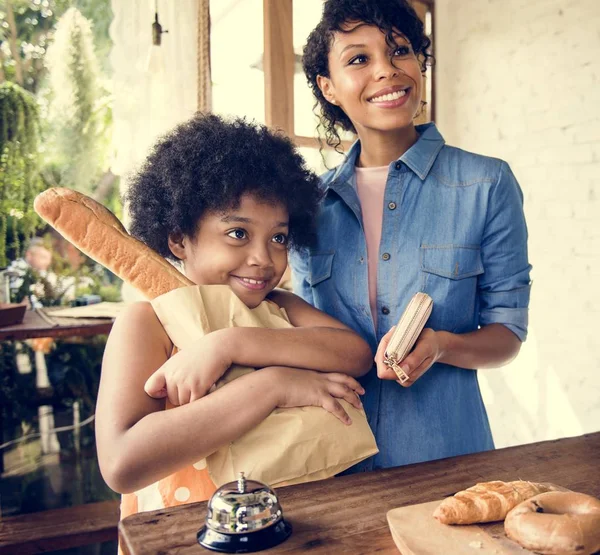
(206,165)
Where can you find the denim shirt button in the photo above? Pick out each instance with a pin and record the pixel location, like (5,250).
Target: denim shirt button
(385,256)
(392,206)
(385,310)
(398,165)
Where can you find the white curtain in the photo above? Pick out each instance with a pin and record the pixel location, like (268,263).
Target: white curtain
(148,101)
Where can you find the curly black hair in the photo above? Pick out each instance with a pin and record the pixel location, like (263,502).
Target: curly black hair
(389,15)
(207,164)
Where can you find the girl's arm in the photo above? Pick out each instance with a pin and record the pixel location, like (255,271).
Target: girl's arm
(139,442)
(316,342)
(488,347)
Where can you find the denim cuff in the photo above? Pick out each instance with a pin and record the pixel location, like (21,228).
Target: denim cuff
(515,319)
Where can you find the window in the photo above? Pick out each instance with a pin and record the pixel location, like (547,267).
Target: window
(236,37)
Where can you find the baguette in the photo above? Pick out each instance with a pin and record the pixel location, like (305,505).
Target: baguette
(488,501)
(97,232)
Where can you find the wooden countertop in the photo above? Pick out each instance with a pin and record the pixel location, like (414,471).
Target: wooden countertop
(347,515)
(38,324)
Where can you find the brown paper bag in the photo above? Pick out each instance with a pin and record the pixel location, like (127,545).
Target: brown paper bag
(290,446)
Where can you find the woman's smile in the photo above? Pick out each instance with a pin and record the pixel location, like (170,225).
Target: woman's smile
(391,97)
(377,84)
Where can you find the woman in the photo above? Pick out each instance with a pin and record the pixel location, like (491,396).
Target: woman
(405,213)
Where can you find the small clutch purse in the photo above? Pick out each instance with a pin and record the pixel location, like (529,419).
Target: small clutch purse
(407,331)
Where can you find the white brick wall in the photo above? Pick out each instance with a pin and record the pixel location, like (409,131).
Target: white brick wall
(520,80)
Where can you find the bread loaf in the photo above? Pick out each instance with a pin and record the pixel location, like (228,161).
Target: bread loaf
(97,232)
(487,501)
(556,523)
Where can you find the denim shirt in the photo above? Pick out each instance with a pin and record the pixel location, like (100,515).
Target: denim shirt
(453,227)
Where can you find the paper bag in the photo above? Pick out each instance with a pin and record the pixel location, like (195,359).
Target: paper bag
(292,445)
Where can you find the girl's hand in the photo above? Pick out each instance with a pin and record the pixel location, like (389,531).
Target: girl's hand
(303,388)
(426,352)
(189,374)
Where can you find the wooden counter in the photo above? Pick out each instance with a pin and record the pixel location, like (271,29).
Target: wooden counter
(347,515)
(38,324)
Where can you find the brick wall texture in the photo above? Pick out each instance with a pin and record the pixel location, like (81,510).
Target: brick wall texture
(520,80)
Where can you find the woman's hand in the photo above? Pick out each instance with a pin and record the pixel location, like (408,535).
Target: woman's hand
(427,351)
(189,374)
(303,388)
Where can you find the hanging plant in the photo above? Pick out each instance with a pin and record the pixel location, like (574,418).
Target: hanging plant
(19,175)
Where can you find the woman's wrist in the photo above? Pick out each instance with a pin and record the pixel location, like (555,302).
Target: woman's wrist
(488,347)
(446,342)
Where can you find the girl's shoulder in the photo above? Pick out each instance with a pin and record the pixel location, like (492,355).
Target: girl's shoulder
(280,299)
(139,319)
(299,313)
(139,312)
(291,305)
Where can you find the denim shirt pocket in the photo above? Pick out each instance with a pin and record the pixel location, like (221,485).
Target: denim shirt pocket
(320,265)
(449,275)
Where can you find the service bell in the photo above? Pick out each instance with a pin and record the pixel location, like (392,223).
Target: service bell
(242,517)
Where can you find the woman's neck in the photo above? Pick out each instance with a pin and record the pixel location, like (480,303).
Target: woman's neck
(380,149)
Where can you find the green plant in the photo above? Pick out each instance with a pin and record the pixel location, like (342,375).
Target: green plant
(50,49)
(19,177)
(27,28)
(79,114)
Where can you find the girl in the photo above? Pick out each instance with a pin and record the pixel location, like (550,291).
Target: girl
(225,199)
(407,213)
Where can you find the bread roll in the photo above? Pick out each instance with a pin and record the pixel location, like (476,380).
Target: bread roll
(556,523)
(97,232)
(487,501)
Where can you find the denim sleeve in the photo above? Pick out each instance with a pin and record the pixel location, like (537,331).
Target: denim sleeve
(299,263)
(504,286)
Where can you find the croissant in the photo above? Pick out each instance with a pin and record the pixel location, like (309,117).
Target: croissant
(488,501)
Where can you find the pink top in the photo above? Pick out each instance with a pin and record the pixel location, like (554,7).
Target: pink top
(370,186)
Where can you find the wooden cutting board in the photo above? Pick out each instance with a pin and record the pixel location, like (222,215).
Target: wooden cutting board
(416,532)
